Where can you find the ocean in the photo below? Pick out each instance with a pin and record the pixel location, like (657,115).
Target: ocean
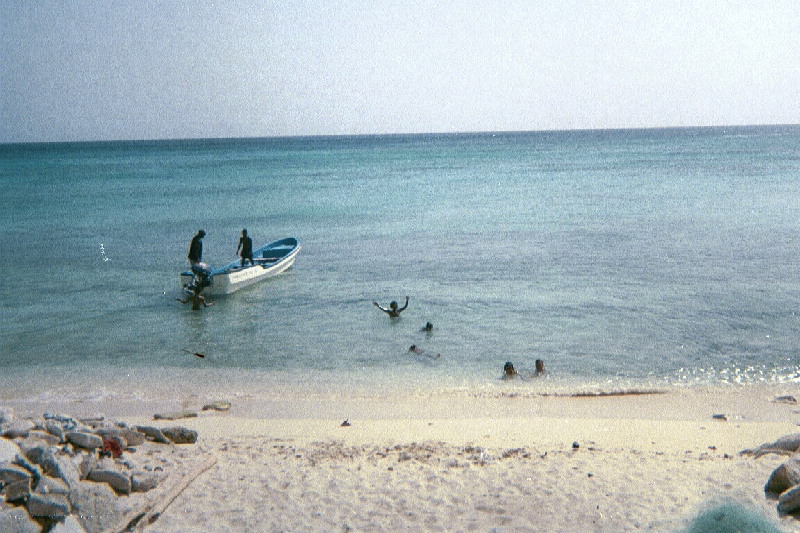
(622,258)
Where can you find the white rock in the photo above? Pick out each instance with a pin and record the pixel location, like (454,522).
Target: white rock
(8,450)
(16,520)
(97,506)
(51,485)
(19,428)
(144,481)
(69,525)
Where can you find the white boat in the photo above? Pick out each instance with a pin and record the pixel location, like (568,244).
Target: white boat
(270,260)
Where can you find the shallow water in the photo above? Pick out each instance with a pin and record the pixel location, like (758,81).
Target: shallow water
(621,258)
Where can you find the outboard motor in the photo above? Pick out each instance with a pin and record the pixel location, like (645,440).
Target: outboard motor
(202,277)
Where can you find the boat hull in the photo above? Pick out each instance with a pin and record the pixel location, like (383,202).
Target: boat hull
(271,260)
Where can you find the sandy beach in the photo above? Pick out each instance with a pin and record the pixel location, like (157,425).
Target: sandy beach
(489,461)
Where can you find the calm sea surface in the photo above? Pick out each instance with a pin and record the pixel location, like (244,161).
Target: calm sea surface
(620,258)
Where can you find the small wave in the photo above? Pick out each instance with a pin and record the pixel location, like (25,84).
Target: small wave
(519,393)
(762,374)
(598,394)
(88,396)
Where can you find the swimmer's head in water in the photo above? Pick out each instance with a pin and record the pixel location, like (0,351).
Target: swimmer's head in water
(393,304)
(508,369)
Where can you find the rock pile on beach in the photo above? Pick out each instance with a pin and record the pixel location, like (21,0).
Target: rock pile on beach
(62,474)
(783,484)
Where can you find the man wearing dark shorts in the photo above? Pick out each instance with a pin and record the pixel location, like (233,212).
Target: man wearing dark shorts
(246,245)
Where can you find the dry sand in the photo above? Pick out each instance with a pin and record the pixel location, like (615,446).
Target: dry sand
(489,461)
(468,475)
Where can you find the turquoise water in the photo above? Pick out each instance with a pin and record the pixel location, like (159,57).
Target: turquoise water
(629,256)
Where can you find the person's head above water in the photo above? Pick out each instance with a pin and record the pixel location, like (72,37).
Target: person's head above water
(539,366)
(508,369)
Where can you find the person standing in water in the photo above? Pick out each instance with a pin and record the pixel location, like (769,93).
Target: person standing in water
(393,311)
(246,245)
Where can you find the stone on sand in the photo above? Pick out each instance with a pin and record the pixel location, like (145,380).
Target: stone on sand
(89,441)
(786,445)
(119,481)
(97,506)
(8,450)
(784,477)
(17,491)
(10,473)
(145,481)
(17,520)
(52,506)
(175,415)
(180,435)
(51,485)
(789,501)
(153,433)
(19,429)
(128,437)
(69,525)
(217,406)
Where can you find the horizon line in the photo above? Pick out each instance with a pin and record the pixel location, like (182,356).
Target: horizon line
(399,134)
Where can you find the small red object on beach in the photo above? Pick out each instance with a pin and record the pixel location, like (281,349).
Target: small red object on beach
(112,446)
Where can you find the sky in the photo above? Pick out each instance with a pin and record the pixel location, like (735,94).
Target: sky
(75,70)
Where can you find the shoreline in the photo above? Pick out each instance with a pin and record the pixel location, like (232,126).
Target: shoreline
(281,399)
